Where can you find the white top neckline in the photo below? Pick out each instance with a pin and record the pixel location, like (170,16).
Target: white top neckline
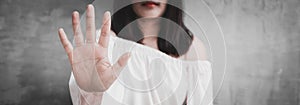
(113,38)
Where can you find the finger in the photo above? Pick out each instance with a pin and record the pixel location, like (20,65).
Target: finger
(122,61)
(105,30)
(90,24)
(77,29)
(66,43)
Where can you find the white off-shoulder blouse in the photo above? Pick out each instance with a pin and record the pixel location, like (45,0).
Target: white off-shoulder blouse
(150,78)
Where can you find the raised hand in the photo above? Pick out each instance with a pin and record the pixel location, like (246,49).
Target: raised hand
(89,60)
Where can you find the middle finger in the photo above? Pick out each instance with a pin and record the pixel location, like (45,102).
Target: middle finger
(90,24)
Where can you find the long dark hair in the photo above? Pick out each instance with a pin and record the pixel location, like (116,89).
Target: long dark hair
(173,40)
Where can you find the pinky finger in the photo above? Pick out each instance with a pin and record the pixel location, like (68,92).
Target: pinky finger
(66,43)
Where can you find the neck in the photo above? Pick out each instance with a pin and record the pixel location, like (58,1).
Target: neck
(149,26)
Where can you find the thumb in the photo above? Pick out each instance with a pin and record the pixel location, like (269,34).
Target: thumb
(122,61)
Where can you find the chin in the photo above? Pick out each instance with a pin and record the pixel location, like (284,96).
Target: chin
(150,15)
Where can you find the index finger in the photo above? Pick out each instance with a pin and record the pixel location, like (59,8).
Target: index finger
(105,30)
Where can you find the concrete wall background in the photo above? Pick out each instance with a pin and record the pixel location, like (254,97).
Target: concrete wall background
(262,42)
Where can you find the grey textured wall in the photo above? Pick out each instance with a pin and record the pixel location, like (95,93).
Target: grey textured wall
(34,68)
(263,44)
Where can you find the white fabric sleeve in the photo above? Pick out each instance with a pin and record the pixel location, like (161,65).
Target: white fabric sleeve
(200,89)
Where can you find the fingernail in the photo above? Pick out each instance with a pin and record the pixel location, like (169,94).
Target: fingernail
(60,29)
(90,6)
(74,12)
(107,12)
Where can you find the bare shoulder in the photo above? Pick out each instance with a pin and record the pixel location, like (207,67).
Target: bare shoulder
(197,51)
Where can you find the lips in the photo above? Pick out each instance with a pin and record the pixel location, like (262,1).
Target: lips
(150,4)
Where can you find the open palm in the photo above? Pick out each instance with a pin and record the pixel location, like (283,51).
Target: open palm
(89,59)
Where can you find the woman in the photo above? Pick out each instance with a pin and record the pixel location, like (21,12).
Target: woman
(150,23)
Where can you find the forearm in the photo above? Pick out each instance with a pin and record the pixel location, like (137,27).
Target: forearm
(91,99)
(81,97)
